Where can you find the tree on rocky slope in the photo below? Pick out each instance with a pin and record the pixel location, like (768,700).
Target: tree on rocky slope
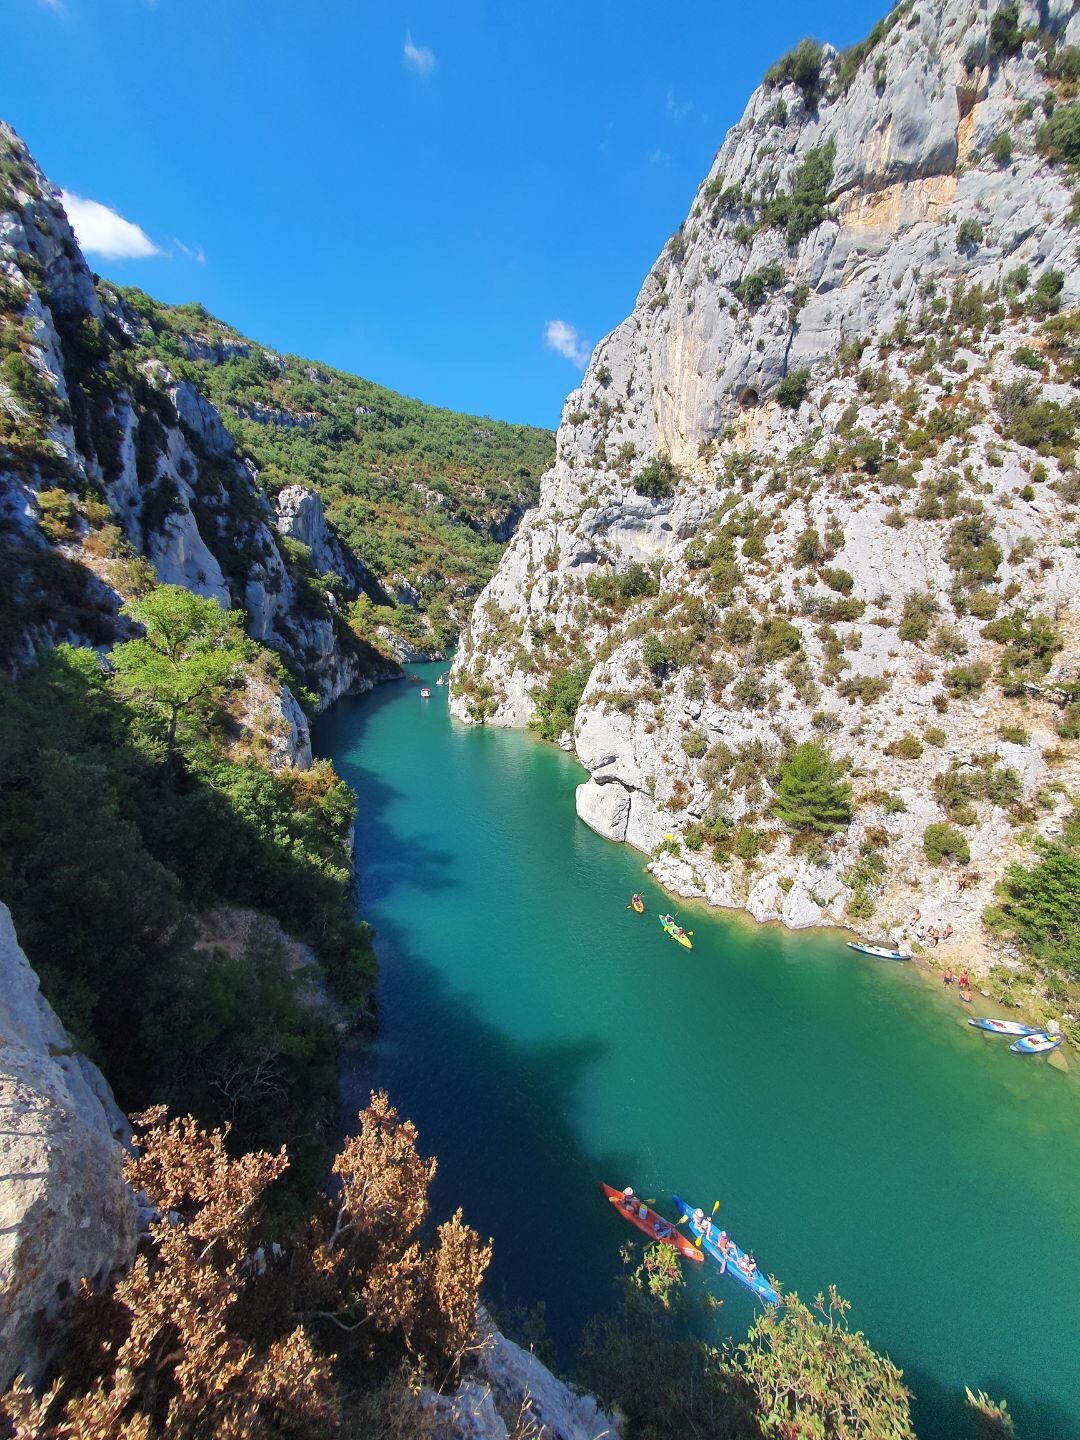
(181,666)
(810,794)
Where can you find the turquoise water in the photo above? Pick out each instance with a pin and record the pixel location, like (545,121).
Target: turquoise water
(543,1037)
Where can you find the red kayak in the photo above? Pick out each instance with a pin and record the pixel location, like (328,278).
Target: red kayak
(652,1224)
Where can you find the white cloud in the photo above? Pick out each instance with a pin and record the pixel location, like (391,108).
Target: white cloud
(564,339)
(658,157)
(57,5)
(418,57)
(190,252)
(103,232)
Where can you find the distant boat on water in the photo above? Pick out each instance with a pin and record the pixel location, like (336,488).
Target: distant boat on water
(425,693)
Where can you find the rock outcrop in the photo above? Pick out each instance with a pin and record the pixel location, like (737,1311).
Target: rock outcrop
(300,516)
(821,485)
(511,1393)
(65,1211)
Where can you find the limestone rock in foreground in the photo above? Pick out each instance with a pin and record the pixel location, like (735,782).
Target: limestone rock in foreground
(65,1211)
(513,1393)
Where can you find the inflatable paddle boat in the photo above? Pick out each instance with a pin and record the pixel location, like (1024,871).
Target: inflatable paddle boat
(650,1223)
(728,1256)
(880,951)
(1004,1027)
(676,932)
(1036,1044)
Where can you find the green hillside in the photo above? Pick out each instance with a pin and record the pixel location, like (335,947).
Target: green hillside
(416,491)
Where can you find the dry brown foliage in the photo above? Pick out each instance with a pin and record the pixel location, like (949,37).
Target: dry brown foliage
(196,1340)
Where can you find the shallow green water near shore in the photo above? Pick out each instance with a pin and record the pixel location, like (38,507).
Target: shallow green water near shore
(543,1037)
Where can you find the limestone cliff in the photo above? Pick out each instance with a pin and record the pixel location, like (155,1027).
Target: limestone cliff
(106,456)
(821,483)
(65,1212)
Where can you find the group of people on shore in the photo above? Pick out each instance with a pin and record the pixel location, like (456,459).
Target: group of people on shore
(930,935)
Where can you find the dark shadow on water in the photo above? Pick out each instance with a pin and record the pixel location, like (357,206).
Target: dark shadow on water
(498,1116)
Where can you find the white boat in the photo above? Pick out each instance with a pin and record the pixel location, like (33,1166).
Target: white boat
(425,693)
(878,950)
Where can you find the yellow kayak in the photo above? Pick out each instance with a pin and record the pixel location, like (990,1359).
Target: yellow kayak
(676,932)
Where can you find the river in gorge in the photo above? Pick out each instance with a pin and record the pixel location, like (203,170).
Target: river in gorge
(543,1037)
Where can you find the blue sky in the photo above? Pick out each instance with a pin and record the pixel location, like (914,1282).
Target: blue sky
(412,192)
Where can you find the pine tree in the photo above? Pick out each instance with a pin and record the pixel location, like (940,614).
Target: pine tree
(810,794)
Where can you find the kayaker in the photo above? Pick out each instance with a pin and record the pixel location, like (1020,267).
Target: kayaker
(629,1199)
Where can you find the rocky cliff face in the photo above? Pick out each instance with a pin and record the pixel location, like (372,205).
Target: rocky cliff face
(821,484)
(65,1212)
(105,455)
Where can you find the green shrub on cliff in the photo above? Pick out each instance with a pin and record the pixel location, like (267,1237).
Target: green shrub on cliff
(801,66)
(556,705)
(805,205)
(1059,138)
(658,479)
(941,842)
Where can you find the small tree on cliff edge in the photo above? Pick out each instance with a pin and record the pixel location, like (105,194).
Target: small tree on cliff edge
(177,671)
(810,794)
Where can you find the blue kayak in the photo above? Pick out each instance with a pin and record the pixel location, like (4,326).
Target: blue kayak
(729,1261)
